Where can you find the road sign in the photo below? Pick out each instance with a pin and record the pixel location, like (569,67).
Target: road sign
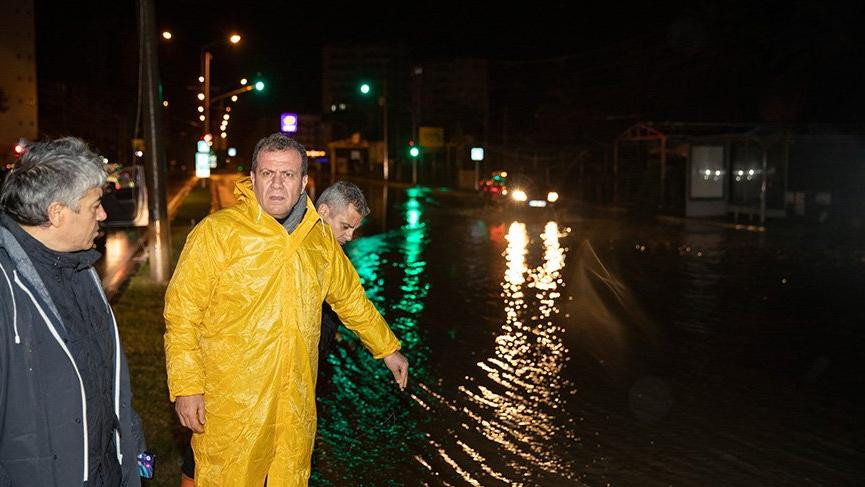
(431,137)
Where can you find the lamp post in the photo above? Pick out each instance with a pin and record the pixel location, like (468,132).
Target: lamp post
(382,101)
(206,59)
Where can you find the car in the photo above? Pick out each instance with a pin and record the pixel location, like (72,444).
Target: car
(124,198)
(519,190)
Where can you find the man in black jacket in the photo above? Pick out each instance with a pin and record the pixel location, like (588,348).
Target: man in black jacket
(65,400)
(342,206)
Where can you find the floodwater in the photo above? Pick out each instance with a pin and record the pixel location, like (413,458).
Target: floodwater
(571,349)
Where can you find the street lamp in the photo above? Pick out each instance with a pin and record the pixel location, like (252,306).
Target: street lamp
(206,58)
(365,89)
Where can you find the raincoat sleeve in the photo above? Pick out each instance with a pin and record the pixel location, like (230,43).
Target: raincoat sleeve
(348,299)
(186,301)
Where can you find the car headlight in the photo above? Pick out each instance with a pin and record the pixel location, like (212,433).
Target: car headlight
(552,196)
(519,195)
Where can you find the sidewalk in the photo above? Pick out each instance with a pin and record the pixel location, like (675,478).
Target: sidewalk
(138,307)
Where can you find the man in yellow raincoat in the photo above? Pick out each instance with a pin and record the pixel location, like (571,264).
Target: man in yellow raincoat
(242,315)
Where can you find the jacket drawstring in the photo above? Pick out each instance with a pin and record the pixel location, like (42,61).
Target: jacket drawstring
(14,305)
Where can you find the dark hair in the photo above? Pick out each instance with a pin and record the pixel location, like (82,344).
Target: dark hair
(61,171)
(342,193)
(280,142)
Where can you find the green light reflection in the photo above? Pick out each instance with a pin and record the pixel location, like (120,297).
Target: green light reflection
(364,420)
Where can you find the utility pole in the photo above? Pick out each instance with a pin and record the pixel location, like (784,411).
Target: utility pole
(158,239)
(386,159)
(206,57)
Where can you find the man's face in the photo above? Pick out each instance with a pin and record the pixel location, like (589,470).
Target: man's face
(343,221)
(79,228)
(278,182)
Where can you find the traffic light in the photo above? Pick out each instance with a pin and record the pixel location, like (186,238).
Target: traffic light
(365,88)
(259,86)
(413,150)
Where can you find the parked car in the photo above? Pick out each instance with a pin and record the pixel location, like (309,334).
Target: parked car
(124,198)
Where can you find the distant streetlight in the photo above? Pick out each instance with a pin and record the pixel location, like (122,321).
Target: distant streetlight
(243,81)
(166,35)
(206,58)
(365,89)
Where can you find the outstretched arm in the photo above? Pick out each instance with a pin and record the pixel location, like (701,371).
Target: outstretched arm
(348,299)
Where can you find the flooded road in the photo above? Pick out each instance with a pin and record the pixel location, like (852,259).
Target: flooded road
(571,349)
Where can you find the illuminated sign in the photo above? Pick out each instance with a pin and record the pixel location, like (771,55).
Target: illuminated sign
(288,122)
(202,164)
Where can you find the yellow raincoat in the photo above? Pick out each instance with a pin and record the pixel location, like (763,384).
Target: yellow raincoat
(243,318)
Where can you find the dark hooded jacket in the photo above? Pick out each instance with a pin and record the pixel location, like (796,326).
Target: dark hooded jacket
(43,403)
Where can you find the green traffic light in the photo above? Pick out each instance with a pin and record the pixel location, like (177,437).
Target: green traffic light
(365,88)
(259,85)
(414,152)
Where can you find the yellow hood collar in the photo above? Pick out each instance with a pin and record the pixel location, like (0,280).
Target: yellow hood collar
(245,195)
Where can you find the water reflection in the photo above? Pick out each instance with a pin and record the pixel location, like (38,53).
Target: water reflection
(526,392)
(118,247)
(360,413)
(509,419)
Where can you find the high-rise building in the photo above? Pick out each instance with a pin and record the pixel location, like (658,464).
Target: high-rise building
(17,78)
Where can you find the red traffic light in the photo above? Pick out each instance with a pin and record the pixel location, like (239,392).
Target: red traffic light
(19,149)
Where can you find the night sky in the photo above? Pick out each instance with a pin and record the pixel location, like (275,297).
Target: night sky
(569,67)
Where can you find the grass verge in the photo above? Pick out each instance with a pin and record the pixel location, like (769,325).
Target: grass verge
(138,307)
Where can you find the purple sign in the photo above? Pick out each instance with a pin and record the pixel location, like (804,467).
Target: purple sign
(288,122)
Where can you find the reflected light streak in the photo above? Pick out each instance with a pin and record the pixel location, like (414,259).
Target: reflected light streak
(116,249)
(529,358)
(450,461)
(516,253)
(477,457)
(422,462)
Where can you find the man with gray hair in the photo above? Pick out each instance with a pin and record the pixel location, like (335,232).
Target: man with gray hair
(65,402)
(342,206)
